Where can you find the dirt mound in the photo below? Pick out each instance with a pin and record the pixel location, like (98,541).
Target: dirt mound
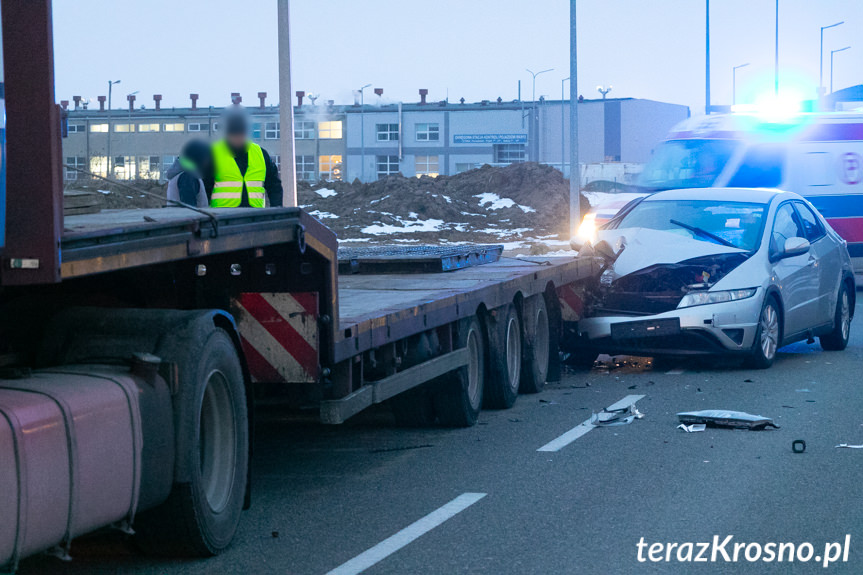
(511,203)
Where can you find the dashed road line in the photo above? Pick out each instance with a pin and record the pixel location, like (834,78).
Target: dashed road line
(407,535)
(582,428)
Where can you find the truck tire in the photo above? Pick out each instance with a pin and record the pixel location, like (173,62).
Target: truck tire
(537,345)
(458,397)
(201,516)
(504,358)
(837,339)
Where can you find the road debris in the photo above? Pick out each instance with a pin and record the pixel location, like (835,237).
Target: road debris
(799,446)
(846,446)
(623,412)
(722,418)
(693,428)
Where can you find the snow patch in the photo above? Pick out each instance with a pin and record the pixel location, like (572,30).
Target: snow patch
(496,202)
(326,192)
(406,227)
(324,215)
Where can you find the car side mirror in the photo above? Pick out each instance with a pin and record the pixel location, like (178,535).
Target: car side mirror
(794,247)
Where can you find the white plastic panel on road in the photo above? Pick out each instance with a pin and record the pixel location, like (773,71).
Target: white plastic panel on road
(582,428)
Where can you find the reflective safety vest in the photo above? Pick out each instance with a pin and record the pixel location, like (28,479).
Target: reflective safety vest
(228,188)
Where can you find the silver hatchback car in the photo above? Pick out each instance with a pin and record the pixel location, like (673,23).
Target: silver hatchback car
(717,270)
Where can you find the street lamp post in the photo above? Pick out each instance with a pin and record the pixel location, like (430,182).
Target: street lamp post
(562,130)
(831,64)
(108,166)
(131,139)
(821,59)
(363,133)
(533,116)
(604,91)
(734,82)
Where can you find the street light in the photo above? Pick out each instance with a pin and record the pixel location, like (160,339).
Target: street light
(110,85)
(831,64)
(734,82)
(604,91)
(533,91)
(562,130)
(821,59)
(131,139)
(362,133)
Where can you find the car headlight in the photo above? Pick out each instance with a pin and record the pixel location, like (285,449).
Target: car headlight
(705,297)
(587,229)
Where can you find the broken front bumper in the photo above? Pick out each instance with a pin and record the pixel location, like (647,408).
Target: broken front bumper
(712,328)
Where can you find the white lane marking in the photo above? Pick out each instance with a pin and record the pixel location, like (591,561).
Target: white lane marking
(674,372)
(582,428)
(407,535)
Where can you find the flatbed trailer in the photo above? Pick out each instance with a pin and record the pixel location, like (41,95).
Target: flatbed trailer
(133,342)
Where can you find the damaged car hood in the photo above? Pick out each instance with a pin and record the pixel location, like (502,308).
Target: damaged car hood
(646,248)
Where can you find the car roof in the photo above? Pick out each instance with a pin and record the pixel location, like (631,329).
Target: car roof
(750,195)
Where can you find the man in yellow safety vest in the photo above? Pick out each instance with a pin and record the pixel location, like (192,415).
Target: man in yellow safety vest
(241,175)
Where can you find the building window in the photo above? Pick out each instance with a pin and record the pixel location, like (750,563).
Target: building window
(99,128)
(167,162)
(388,132)
(256,131)
(198,127)
(150,167)
(427,166)
(216,126)
(330,130)
(304,130)
(175,127)
(74,162)
(330,166)
(99,165)
(148,127)
(124,168)
(76,128)
(508,153)
(428,132)
(464,167)
(272,131)
(387,165)
(306,168)
(124,127)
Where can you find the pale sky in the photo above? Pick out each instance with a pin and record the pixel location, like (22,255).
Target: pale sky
(476,49)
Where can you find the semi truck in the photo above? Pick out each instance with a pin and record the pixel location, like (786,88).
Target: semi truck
(132,342)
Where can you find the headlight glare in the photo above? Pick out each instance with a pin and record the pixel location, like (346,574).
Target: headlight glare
(707,297)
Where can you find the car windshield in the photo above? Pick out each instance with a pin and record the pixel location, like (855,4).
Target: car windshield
(736,224)
(686,164)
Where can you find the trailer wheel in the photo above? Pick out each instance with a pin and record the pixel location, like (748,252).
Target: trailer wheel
(201,516)
(504,347)
(458,397)
(537,345)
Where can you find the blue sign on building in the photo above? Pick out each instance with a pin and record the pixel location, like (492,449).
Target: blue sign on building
(489,139)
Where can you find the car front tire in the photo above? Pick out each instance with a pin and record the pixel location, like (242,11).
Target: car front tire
(768,336)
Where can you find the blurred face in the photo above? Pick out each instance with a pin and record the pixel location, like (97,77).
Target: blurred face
(236,140)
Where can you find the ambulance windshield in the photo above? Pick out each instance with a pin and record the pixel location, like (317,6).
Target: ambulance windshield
(686,164)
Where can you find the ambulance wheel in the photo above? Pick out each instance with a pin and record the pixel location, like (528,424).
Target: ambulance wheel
(458,394)
(201,515)
(504,358)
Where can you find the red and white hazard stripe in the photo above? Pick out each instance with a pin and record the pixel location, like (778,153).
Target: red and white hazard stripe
(571,302)
(280,335)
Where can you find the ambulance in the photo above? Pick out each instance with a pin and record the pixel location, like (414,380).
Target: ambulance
(817,155)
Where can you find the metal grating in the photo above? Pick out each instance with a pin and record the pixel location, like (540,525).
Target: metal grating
(415,259)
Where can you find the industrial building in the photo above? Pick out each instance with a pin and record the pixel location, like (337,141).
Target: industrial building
(370,141)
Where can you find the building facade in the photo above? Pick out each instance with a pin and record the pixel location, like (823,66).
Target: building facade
(372,141)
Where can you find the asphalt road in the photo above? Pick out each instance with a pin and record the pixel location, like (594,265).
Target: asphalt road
(325,495)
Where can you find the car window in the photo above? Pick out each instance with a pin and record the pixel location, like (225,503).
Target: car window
(761,167)
(811,225)
(786,225)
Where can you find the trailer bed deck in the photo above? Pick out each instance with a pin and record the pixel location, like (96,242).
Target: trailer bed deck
(378,309)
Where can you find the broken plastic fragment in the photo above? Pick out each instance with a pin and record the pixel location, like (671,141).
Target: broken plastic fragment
(722,418)
(692,428)
(845,445)
(621,413)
